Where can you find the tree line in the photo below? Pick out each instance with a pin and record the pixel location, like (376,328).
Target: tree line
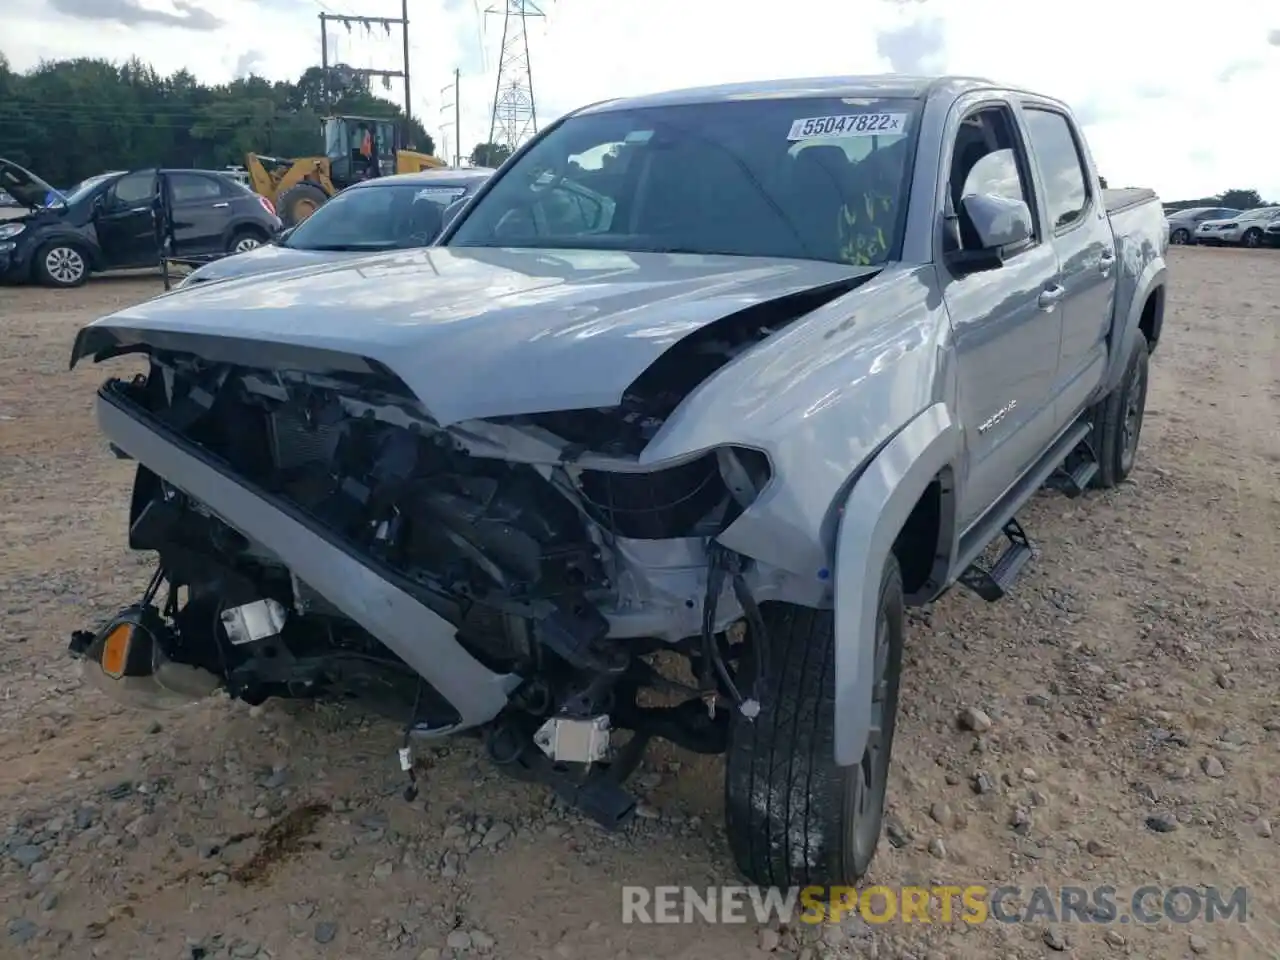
(1236,199)
(71,119)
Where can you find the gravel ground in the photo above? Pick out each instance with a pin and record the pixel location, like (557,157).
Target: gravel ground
(1129,687)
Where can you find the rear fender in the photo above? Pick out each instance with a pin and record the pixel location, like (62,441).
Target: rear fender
(1128,326)
(874,513)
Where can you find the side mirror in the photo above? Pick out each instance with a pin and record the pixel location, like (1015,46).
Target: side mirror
(283,235)
(99,204)
(996,224)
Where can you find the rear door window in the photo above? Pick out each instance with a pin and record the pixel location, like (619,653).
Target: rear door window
(194,188)
(1061,166)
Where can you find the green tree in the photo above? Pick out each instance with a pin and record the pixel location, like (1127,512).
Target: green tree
(490,154)
(1240,199)
(71,119)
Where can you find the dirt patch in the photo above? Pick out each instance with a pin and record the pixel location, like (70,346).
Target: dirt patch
(1131,682)
(283,839)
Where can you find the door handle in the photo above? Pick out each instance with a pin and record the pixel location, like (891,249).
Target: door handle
(1051,297)
(219,206)
(1106,262)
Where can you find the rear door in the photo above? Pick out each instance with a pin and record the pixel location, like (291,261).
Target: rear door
(1081,234)
(201,206)
(125,221)
(1006,322)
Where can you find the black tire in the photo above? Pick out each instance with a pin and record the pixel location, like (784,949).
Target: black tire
(1118,427)
(61,264)
(1252,237)
(792,816)
(1180,236)
(299,202)
(245,239)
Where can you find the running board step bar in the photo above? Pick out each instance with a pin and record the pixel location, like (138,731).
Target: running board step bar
(1075,474)
(993,584)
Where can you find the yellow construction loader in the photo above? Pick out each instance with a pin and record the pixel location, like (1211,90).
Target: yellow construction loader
(355,148)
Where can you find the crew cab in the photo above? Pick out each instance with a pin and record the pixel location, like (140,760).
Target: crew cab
(735,373)
(108,222)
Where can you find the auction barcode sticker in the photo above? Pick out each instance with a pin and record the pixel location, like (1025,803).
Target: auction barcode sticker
(850,125)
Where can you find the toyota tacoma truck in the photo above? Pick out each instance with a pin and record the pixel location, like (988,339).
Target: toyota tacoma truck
(684,407)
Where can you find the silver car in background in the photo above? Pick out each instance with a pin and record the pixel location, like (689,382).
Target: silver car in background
(1183,223)
(1242,229)
(375,216)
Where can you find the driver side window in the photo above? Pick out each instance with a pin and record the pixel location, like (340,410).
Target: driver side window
(131,190)
(987,159)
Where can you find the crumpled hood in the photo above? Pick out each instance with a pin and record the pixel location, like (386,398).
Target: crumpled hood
(472,332)
(263,259)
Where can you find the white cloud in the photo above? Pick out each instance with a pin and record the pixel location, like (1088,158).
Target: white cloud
(1164,104)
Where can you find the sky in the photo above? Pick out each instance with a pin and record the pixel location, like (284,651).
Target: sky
(1172,96)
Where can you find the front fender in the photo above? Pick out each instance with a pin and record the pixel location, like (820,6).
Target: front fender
(874,513)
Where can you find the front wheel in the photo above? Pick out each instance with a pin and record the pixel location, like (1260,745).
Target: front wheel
(792,816)
(1252,237)
(61,265)
(1120,417)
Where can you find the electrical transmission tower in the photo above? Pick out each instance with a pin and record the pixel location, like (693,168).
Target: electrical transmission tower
(515,116)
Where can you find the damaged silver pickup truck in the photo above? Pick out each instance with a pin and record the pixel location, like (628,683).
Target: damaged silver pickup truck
(733,374)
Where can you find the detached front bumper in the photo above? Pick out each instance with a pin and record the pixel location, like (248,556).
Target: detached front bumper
(418,635)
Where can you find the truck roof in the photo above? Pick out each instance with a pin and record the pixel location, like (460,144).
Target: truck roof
(868,86)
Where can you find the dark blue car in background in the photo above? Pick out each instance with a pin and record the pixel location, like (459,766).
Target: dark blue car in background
(108,222)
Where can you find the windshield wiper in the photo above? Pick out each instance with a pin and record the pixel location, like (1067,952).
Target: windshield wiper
(348,247)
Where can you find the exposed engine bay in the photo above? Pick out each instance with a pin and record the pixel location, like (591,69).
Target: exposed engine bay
(559,559)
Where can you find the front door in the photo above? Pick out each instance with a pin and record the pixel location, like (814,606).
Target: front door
(125,222)
(1086,248)
(1006,321)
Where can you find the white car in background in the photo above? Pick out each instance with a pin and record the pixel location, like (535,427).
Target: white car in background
(1244,229)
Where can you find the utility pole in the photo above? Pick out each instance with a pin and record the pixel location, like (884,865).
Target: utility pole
(515,114)
(457,116)
(404,24)
(368,23)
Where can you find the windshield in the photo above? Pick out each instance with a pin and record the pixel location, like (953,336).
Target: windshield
(85,187)
(1259,213)
(376,218)
(817,179)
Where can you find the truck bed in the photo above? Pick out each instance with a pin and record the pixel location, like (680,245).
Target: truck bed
(1119,198)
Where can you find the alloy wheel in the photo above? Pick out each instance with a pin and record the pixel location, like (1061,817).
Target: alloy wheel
(65,265)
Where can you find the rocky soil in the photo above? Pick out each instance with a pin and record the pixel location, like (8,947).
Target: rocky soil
(1116,721)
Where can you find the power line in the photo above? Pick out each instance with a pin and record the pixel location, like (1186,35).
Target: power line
(368,23)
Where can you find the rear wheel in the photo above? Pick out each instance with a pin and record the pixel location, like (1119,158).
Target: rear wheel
(60,264)
(792,815)
(299,202)
(1180,236)
(242,241)
(1120,417)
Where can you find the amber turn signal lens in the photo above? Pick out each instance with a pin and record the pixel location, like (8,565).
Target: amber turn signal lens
(115,650)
